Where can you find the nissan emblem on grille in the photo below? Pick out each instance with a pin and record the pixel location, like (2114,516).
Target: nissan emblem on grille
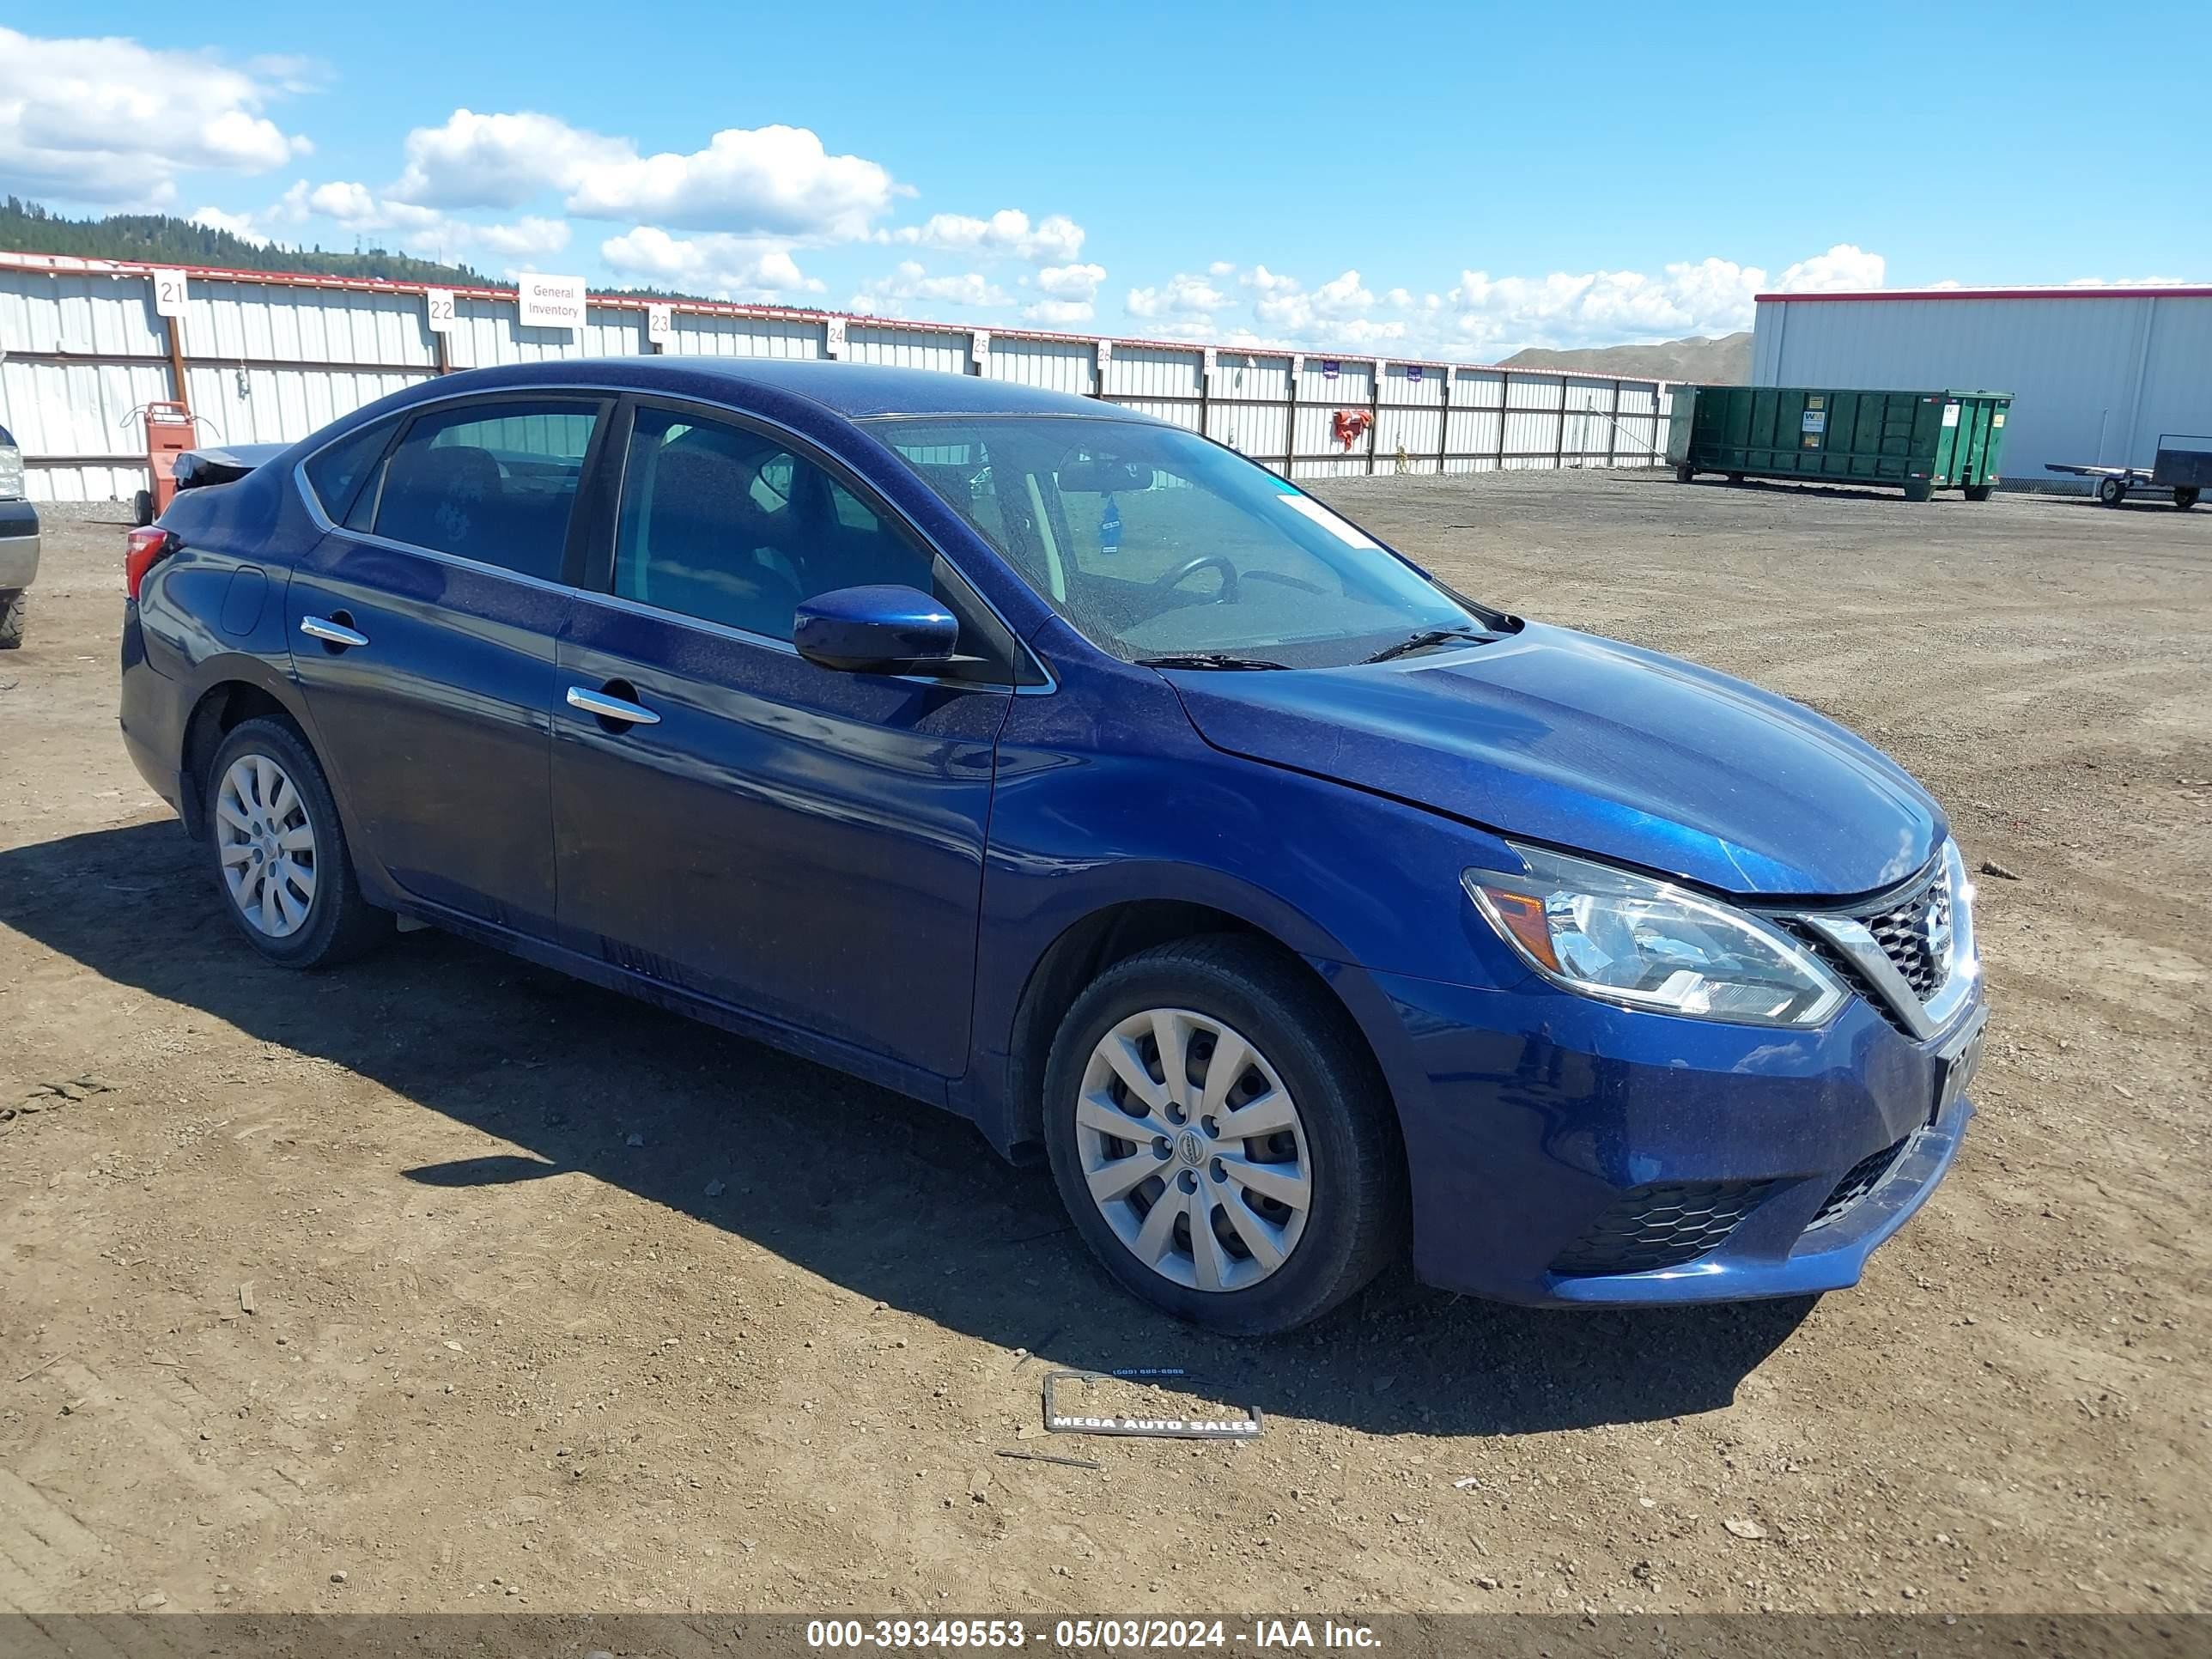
(1915,935)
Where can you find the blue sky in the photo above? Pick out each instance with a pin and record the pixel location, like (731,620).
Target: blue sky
(1425,180)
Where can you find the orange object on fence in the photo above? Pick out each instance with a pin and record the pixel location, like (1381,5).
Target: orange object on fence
(1348,424)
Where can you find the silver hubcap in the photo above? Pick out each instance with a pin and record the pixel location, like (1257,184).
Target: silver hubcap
(1194,1150)
(267,844)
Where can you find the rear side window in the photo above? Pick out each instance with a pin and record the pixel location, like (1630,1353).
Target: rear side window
(335,471)
(493,482)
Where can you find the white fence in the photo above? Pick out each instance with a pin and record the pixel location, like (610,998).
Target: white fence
(263,358)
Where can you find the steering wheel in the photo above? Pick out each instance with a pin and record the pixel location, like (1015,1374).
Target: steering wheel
(1190,567)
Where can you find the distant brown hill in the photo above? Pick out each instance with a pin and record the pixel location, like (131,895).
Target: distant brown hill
(1723,362)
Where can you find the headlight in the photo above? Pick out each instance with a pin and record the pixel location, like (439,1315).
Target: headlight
(1648,945)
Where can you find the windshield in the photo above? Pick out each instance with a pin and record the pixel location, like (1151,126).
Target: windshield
(1155,543)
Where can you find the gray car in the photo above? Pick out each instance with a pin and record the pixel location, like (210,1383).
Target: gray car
(19,543)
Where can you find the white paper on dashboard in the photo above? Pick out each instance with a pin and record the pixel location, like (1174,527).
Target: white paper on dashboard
(1349,535)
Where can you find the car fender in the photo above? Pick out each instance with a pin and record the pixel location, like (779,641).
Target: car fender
(1090,816)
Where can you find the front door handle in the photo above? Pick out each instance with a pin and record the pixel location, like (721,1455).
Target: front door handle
(331,633)
(608,707)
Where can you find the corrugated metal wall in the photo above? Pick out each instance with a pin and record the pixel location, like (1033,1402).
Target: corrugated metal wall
(2094,378)
(271,359)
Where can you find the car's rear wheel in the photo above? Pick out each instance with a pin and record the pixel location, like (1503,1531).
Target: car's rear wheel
(279,852)
(15,612)
(1222,1139)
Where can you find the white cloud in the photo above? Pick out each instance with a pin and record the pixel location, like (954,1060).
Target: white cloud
(893,295)
(1486,316)
(1059,313)
(240,225)
(720,266)
(358,208)
(2120,281)
(1841,269)
(1183,299)
(1008,230)
(1336,304)
(526,238)
(1071,282)
(774,181)
(500,161)
(111,122)
(1712,296)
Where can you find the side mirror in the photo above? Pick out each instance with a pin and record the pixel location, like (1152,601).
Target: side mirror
(876,629)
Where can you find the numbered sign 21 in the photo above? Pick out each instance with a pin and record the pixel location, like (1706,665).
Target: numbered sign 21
(171,293)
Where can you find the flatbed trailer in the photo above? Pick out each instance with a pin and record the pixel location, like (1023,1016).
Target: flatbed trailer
(2185,472)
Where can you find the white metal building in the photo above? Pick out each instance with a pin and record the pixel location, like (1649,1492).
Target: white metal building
(258,357)
(2096,374)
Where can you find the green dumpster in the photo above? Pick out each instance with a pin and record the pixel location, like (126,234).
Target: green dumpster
(1920,441)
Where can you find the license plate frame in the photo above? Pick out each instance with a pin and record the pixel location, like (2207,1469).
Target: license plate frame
(1956,1062)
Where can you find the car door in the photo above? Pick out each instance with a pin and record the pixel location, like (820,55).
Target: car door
(422,630)
(798,842)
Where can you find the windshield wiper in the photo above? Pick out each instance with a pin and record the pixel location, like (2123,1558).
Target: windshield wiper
(1207,659)
(1428,637)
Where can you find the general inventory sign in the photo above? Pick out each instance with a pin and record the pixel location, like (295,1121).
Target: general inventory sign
(551,301)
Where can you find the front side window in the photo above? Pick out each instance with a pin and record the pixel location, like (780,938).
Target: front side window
(489,482)
(726,524)
(1154,543)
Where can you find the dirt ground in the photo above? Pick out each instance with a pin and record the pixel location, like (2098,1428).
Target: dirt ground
(440,1282)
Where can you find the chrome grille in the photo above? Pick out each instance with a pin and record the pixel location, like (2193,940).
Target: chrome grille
(1912,935)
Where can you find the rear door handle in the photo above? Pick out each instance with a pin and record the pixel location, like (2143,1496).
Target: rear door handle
(331,633)
(608,707)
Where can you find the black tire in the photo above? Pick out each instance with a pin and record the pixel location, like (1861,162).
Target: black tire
(1356,1221)
(2112,491)
(14,612)
(1735,477)
(142,509)
(1977,492)
(339,923)
(2184,497)
(1684,473)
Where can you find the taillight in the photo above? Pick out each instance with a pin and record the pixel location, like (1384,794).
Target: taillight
(142,548)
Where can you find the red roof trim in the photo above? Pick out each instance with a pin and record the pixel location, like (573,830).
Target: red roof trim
(1996,293)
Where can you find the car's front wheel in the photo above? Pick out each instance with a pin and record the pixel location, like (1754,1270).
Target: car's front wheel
(1223,1138)
(280,854)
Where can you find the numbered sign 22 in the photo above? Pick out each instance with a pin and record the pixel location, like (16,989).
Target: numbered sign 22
(171,293)
(439,303)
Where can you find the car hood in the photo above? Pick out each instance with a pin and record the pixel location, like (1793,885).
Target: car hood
(1590,745)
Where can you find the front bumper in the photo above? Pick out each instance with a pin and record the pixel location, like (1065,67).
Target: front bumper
(19,545)
(1560,1147)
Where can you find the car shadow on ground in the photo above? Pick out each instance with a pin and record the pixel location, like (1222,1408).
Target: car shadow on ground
(1795,488)
(896,1200)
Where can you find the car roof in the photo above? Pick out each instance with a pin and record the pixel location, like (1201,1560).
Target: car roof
(854,391)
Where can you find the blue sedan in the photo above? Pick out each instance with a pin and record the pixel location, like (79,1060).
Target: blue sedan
(1051,764)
